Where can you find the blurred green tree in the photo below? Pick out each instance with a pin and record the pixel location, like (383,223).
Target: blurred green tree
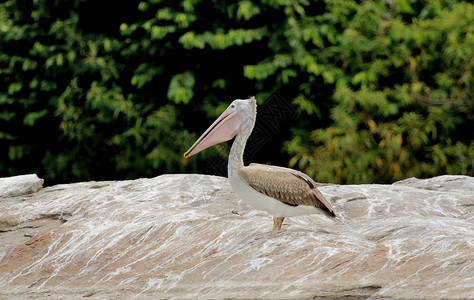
(106,90)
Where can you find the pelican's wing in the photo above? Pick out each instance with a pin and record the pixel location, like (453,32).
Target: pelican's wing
(286,185)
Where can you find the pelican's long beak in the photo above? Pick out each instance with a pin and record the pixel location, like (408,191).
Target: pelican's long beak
(223,129)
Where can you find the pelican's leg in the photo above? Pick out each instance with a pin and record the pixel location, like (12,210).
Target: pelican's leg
(277,222)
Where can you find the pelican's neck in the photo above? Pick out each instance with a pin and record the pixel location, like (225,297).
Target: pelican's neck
(236,155)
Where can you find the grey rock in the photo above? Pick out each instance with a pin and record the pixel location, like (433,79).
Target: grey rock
(20,185)
(188,236)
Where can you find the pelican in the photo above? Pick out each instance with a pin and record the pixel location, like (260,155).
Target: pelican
(282,192)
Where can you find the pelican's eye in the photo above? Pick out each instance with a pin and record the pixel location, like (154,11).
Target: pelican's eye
(232,106)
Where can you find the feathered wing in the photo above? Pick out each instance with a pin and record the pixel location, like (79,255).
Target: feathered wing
(286,185)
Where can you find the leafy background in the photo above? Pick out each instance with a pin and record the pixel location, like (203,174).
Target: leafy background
(100,89)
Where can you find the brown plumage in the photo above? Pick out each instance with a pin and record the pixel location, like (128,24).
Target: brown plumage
(286,185)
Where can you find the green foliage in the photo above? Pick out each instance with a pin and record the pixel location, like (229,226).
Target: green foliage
(403,92)
(382,90)
(181,88)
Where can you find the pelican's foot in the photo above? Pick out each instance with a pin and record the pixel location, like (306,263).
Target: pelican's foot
(277,222)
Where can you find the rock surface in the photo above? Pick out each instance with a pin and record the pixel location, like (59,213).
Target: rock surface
(20,185)
(189,236)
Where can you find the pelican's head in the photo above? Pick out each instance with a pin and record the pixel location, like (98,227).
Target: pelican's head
(226,127)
